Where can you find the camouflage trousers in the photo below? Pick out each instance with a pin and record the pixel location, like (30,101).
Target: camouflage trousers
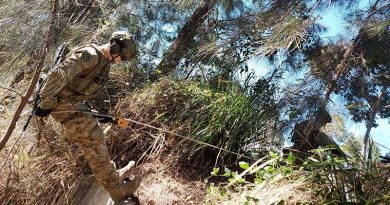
(85,131)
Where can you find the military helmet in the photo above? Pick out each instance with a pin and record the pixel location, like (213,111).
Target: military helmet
(122,42)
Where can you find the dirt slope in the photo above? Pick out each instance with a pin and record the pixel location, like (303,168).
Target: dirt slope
(158,188)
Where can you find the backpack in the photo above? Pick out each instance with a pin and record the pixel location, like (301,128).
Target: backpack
(59,54)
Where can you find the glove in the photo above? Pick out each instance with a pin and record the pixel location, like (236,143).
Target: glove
(102,119)
(42,112)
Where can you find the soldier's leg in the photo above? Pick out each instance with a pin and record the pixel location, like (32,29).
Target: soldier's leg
(86,132)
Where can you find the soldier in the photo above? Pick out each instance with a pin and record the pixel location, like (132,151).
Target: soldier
(79,77)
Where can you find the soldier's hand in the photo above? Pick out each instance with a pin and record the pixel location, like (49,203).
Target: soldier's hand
(42,112)
(102,119)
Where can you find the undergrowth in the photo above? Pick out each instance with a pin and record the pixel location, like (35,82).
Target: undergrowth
(52,167)
(227,119)
(321,179)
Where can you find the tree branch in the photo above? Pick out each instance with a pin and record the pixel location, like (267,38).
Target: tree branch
(182,43)
(30,90)
(340,69)
(12,90)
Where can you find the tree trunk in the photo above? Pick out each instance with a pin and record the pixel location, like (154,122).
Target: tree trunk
(340,69)
(374,110)
(182,43)
(30,90)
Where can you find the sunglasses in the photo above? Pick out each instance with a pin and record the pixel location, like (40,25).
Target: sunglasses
(120,55)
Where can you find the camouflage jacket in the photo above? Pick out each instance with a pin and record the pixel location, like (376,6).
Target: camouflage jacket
(80,76)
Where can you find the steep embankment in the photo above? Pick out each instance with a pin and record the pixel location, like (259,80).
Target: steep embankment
(47,168)
(159,187)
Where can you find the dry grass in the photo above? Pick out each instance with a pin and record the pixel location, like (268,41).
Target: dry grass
(272,193)
(144,144)
(46,167)
(170,188)
(42,170)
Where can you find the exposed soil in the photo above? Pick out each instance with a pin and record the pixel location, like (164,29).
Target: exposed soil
(158,188)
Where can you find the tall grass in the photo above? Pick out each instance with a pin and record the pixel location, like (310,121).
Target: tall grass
(229,119)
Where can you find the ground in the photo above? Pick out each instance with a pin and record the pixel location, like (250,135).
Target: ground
(157,188)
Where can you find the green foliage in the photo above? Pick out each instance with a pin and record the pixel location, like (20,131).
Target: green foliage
(227,119)
(273,168)
(215,171)
(243,165)
(221,112)
(348,182)
(321,179)
(276,167)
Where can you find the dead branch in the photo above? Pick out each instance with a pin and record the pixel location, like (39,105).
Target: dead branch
(24,99)
(12,90)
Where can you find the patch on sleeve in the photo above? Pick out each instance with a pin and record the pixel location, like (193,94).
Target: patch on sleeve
(89,58)
(85,56)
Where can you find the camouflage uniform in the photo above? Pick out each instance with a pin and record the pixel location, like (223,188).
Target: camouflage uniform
(78,78)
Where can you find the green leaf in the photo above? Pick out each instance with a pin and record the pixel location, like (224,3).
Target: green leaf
(269,169)
(223,191)
(258,180)
(243,165)
(290,159)
(215,171)
(273,154)
(227,173)
(286,170)
(234,174)
(293,115)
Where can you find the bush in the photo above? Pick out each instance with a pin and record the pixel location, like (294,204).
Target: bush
(229,119)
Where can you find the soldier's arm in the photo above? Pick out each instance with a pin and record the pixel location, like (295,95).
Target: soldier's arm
(98,102)
(64,73)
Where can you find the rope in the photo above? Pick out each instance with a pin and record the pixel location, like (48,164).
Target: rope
(381,145)
(159,129)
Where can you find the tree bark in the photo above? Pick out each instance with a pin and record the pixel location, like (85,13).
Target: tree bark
(374,110)
(340,69)
(182,43)
(30,90)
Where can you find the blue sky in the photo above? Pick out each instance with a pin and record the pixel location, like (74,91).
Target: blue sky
(334,22)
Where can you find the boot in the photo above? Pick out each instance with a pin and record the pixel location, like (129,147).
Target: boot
(123,190)
(123,172)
